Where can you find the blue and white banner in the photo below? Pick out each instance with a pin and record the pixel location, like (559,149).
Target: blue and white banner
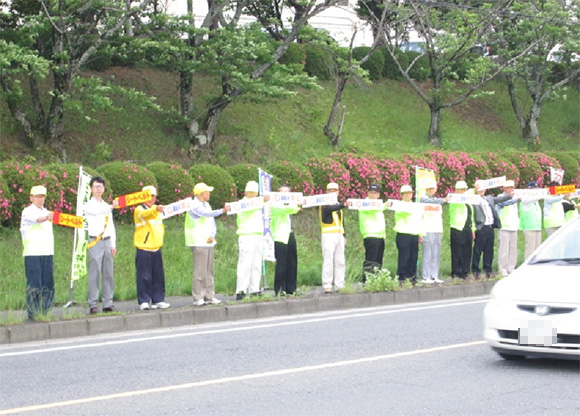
(265,188)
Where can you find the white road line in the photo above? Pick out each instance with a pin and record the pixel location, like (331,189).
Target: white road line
(238,329)
(236,378)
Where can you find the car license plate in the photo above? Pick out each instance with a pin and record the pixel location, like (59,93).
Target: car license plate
(539,333)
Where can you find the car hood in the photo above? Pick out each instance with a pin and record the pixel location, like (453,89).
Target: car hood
(542,284)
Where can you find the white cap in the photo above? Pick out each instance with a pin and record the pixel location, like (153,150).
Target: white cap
(201,187)
(461,185)
(332,185)
(406,188)
(509,184)
(252,186)
(151,190)
(38,190)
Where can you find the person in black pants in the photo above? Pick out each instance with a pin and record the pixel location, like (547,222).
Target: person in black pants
(486,219)
(462,230)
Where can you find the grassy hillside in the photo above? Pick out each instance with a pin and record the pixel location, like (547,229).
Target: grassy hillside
(383,117)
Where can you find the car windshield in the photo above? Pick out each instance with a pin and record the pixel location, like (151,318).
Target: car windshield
(564,248)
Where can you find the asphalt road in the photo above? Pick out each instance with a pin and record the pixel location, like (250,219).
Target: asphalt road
(414,359)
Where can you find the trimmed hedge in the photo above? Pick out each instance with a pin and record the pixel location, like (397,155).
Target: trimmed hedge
(297,176)
(20,178)
(173,182)
(242,173)
(125,178)
(374,65)
(318,62)
(213,175)
(394,172)
(363,173)
(325,170)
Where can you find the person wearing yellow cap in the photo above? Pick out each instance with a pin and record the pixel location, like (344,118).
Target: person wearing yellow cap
(461,234)
(507,235)
(333,242)
(410,232)
(103,246)
(148,240)
(433,222)
(200,236)
(250,244)
(38,253)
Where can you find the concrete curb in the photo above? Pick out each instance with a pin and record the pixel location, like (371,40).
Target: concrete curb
(131,321)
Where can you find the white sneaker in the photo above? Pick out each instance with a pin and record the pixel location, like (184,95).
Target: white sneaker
(428,281)
(161,305)
(437,280)
(200,302)
(214,301)
(144,306)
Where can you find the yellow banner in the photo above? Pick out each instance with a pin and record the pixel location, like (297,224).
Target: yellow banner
(67,220)
(135,198)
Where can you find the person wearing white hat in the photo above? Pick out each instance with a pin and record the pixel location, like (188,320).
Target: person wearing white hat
(38,253)
(148,240)
(507,235)
(461,235)
(433,222)
(200,236)
(333,241)
(373,230)
(486,220)
(410,232)
(530,214)
(251,245)
(103,247)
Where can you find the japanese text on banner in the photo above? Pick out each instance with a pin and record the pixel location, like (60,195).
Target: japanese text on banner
(269,245)
(366,204)
(492,183)
(396,205)
(135,198)
(319,200)
(176,208)
(534,193)
(245,205)
(464,199)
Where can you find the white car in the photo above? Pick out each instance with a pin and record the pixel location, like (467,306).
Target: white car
(535,311)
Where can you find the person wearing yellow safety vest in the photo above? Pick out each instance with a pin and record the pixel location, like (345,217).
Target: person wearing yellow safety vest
(103,246)
(410,232)
(333,241)
(148,240)
(461,235)
(285,278)
(531,222)
(507,236)
(200,235)
(250,244)
(554,216)
(373,230)
(38,253)
(433,223)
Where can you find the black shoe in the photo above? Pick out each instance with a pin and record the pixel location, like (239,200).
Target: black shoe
(240,296)
(109,309)
(93,311)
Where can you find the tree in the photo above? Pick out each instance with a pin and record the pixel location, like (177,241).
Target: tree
(57,38)
(550,30)
(451,32)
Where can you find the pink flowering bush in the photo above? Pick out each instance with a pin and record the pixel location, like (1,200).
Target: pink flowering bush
(216,176)
(500,165)
(126,178)
(20,177)
(173,182)
(325,170)
(475,167)
(451,170)
(6,201)
(421,161)
(68,178)
(394,172)
(363,172)
(242,174)
(545,163)
(297,176)
(529,169)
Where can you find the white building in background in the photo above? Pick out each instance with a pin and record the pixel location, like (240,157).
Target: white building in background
(339,21)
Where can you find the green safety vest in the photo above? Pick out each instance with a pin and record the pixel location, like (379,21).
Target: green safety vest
(409,223)
(281,225)
(530,216)
(198,231)
(509,218)
(554,218)
(372,223)
(458,216)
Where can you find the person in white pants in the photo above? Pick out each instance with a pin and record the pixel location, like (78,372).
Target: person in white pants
(507,236)
(333,242)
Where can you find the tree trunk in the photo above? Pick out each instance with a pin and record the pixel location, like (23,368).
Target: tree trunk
(530,131)
(332,136)
(434,136)
(186,93)
(54,127)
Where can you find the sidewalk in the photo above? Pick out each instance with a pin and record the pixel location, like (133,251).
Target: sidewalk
(75,321)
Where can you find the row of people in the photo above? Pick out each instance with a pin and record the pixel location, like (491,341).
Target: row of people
(471,237)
